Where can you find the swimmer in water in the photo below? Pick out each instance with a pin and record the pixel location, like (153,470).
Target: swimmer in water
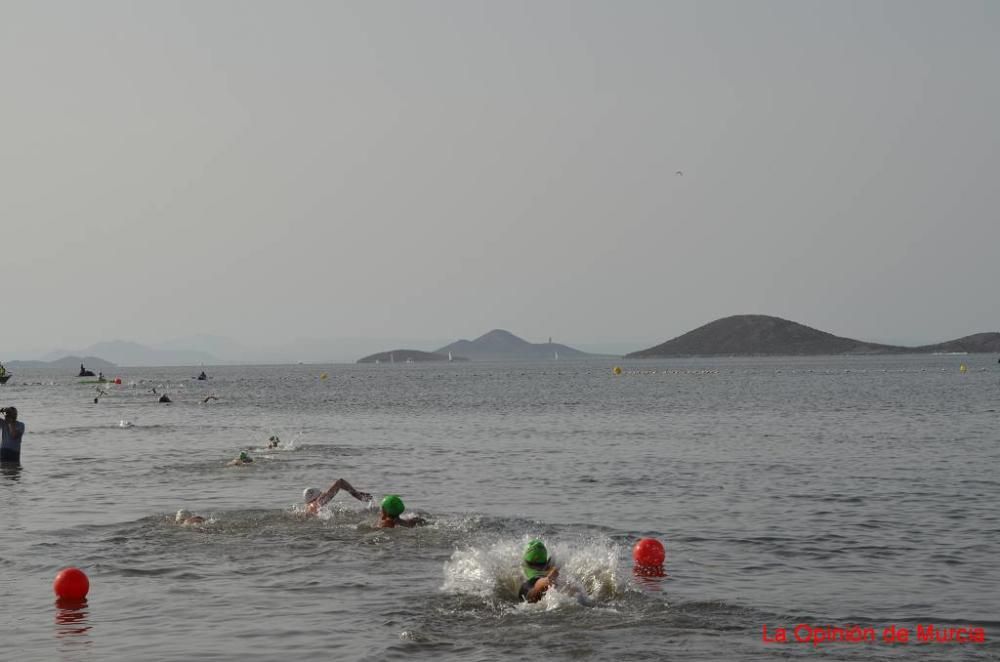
(185,518)
(389,514)
(315,498)
(210,397)
(244,458)
(273,441)
(539,570)
(164,398)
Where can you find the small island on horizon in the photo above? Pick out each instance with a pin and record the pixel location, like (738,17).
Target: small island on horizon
(495,345)
(409,356)
(764,335)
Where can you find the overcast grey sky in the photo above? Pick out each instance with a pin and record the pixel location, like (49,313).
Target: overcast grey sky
(269,170)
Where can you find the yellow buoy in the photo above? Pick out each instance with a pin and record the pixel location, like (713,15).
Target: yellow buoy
(323,376)
(963,368)
(616,370)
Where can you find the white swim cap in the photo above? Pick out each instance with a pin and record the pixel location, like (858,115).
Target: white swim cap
(182,515)
(310,494)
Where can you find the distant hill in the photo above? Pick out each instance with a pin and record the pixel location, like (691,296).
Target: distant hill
(500,345)
(128,353)
(976,343)
(763,335)
(760,335)
(68,364)
(404,355)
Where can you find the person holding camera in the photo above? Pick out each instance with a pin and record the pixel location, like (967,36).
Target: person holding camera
(12,431)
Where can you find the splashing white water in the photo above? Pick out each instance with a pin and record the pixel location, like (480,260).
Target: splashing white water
(588,571)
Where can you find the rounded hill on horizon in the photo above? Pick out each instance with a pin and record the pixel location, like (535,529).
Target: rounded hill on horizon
(761,335)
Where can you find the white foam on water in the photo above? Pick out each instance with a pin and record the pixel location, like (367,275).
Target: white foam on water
(588,571)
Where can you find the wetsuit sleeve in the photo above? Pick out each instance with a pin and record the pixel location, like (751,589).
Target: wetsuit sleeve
(526,588)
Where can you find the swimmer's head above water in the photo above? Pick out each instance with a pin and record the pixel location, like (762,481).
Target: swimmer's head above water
(535,559)
(310,494)
(392,505)
(389,514)
(185,517)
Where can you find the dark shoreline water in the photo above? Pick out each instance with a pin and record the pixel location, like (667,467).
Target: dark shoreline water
(826,491)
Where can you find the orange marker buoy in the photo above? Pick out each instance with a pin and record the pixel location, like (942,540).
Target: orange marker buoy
(649,553)
(71,584)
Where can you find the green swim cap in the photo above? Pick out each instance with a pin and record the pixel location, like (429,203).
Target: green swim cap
(535,553)
(244,456)
(536,559)
(393,505)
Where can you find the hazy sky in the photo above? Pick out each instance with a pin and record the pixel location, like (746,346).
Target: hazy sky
(270,170)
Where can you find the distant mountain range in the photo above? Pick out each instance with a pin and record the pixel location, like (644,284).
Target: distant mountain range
(127,353)
(763,335)
(201,349)
(69,364)
(408,356)
(739,335)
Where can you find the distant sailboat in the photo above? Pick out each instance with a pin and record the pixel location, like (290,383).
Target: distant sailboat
(449,356)
(392,357)
(557,356)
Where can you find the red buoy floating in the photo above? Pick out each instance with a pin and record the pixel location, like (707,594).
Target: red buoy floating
(649,553)
(71,584)
(118,380)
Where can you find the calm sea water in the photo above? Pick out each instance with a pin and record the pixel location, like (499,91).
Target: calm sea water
(819,491)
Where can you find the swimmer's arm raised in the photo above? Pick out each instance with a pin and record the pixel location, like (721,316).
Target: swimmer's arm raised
(341,484)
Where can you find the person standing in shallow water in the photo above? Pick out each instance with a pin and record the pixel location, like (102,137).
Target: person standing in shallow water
(11,434)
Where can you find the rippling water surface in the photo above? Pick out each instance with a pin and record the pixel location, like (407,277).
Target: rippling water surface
(787,491)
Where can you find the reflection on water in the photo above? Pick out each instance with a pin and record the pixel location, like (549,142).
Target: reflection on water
(11,470)
(71,619)
(650,579)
